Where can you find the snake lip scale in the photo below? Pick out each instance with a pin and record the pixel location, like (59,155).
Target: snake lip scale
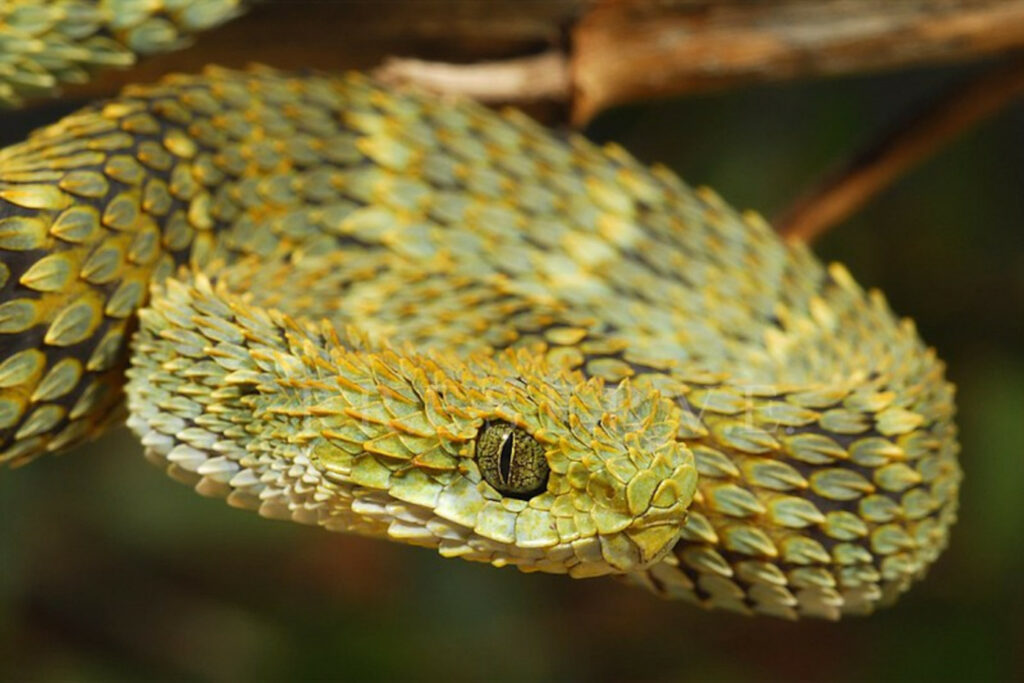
(384,313)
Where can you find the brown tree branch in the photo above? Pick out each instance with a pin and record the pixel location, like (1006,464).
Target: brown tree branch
(357,34)
(628,50)
(887,158)
(619,50)
(521,79)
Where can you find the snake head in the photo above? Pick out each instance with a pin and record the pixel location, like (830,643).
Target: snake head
(504,457)
(618,482)
(510,460)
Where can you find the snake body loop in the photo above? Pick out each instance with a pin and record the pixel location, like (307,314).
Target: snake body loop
(333,290)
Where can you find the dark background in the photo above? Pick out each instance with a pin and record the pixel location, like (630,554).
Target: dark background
(110,570)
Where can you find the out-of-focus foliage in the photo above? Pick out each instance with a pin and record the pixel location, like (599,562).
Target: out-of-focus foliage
(109,570)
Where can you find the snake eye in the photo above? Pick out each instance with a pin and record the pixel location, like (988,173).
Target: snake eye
(511,460)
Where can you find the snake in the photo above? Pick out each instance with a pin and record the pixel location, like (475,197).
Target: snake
(379,311)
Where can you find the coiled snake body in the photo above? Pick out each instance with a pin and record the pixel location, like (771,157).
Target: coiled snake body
(385,313)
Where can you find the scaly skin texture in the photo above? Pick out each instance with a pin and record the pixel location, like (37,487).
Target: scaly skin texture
(349,283)
(44,43)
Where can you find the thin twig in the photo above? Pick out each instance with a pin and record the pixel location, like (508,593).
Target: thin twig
(522,79)
(887,158)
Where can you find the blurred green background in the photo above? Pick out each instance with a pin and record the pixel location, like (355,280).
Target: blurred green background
(110,570)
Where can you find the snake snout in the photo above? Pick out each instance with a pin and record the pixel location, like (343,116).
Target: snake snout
(657,499)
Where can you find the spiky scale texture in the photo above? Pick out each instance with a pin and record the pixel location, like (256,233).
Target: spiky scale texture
(45,44)
(726,421)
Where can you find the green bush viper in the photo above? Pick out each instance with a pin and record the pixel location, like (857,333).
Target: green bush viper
(414,318)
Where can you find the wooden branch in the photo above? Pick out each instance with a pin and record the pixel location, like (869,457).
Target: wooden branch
(628,50)
(619,50)
(339,35)
(522,79)
(886,159)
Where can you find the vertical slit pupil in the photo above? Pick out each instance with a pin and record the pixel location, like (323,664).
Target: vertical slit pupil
(505,458)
